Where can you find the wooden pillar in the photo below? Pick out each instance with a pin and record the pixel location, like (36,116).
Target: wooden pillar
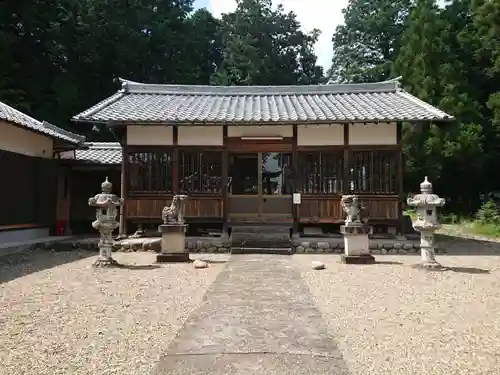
(225,173)
(124,180)
(345,178)
(399,172)
(175,162)
(68,171)
(295,167)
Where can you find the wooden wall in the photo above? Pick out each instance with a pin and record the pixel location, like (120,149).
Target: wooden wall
(28,190)
(379,195)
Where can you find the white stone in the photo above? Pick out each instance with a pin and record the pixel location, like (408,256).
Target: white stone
(198,263)
(356,244)
(317,265)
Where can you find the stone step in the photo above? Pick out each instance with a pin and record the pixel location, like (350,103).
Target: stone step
(261,250)
(268,236)
(285,229)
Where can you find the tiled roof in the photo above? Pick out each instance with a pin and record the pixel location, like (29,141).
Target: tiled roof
(7,113)
(370,102)
(99,153)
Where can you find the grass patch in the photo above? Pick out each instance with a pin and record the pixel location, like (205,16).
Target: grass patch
(485,223)
(481,229)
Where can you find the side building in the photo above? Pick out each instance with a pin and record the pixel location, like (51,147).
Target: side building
(32,176)
(243,153)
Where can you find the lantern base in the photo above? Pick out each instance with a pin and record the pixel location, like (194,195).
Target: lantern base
(357,259)
(105,263)
(173,258)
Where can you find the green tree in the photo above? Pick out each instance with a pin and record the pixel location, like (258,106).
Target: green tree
(366,45)
(263,46)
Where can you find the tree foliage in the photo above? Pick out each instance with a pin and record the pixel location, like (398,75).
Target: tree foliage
(59,57)
(368,42)
(447,56)
(263,46)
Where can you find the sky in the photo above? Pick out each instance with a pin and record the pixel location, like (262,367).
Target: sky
(324,15)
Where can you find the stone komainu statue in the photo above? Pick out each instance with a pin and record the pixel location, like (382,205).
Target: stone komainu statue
(174,214)
(352,207)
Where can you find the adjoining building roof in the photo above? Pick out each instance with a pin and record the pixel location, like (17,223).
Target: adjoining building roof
(97,153)
(12,115)
(331,103)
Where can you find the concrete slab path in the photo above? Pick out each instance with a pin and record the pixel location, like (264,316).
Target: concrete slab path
(258,318)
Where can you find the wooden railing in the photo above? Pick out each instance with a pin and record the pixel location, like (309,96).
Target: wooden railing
(320,209)
(196,207)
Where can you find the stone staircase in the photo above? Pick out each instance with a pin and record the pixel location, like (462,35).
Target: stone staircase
(261,239)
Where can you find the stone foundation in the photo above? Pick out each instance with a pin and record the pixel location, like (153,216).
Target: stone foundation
(193,244)
(300,245)
(377,246)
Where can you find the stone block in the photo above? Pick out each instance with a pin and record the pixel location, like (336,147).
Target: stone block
(357,259)
(310,250)
(398,245)
(356,244)
(172,258)
(408,246)
(300,249)
(375,251)
(323,245)
(317,265)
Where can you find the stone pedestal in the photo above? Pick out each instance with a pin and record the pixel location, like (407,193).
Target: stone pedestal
(356,247)
(173,243)
(428,251)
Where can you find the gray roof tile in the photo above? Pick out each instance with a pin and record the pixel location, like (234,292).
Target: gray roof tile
(10,114)
(99,153)
(149,103)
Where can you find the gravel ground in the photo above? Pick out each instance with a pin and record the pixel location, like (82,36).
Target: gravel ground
(394,319)
(72,319)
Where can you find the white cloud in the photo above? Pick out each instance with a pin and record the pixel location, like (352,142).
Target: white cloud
(324,15)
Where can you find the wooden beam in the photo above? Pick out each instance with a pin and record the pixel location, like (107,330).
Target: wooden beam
(345,177)
(295,166)
(225,174)
(124,183)
(399,131)
(175,161)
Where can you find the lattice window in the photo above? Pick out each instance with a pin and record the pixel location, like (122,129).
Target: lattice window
(320,172)
(150,172)
(200,172)
(373,172)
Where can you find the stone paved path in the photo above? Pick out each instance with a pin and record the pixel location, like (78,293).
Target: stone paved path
(258,318)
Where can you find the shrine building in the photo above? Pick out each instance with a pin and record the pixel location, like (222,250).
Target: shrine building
(254,155)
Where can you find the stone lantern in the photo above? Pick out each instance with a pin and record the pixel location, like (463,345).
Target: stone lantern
(427,223)
(106,205)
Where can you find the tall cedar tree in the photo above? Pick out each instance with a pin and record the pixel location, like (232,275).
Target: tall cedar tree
(263,46)
(368,42)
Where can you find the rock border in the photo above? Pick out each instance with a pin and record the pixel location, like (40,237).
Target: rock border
(299,246)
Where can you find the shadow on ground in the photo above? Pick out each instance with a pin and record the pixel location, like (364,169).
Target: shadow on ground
(469,270)
(138,266)
(211,261)
(466,246)
(17,265)
(388,262)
